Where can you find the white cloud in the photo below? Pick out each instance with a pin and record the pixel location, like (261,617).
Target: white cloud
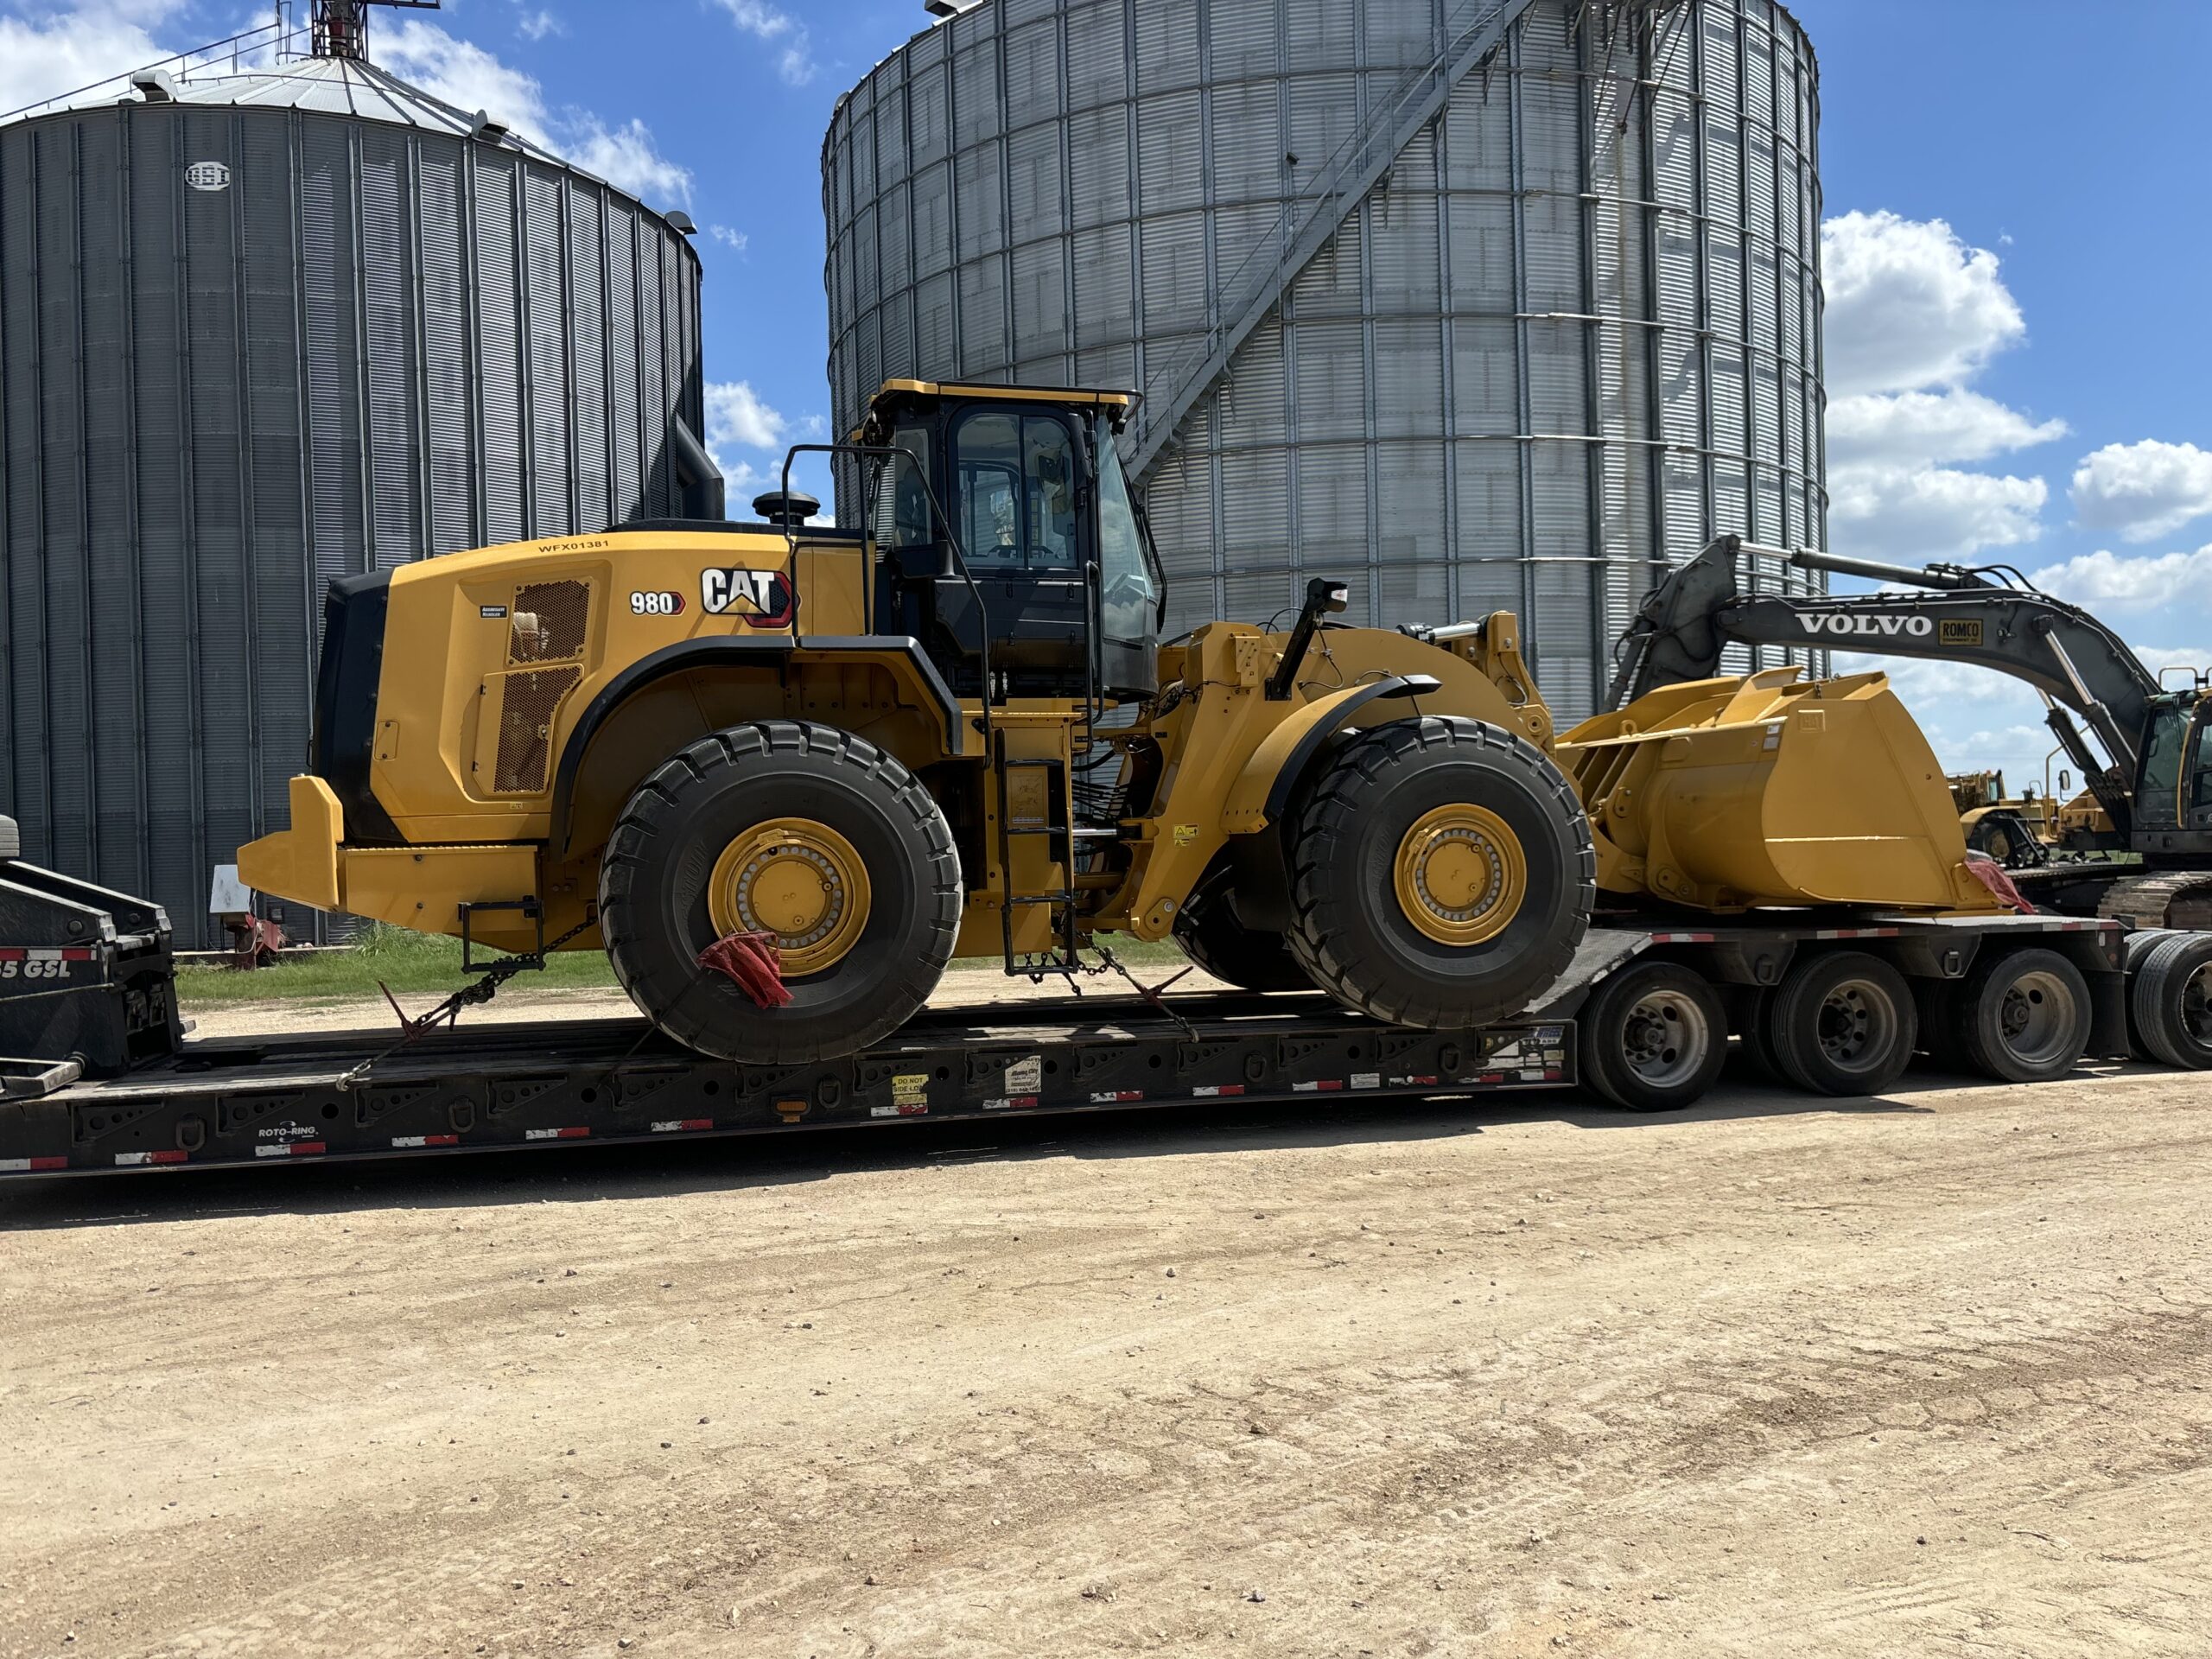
(1910,305)
(1912,515)
(2143,491)
(1913,315)
(2110,581)
(734,239)
(463,75)
(778,29)
(735,414)
(537,25)
(59,51)
(1930,427)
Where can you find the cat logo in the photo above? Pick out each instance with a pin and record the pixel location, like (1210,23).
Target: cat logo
(763,598)
(207,175)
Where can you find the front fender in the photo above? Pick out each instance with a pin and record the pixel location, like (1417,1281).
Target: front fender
(1271,779)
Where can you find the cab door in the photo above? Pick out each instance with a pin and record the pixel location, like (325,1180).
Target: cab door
(1020,490)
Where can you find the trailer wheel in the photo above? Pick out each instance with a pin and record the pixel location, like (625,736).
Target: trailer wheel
(1441,874)
(1653,1037)
(2170,1001)
(2135,950)
(1842,1024)
(796,830)
(1211,935)
(2022,1016)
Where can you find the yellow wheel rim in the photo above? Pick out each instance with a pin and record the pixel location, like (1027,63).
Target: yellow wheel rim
(798,879)
(1461,875)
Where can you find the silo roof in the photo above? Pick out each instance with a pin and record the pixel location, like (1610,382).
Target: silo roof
(337,87)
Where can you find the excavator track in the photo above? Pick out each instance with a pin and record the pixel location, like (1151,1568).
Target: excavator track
(2178,899)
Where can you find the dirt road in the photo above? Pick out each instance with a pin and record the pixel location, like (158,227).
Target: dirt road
(1930,1375)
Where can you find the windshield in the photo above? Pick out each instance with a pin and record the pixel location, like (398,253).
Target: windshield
(1130,598)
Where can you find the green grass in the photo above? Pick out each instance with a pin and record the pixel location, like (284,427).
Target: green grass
(411,964)
(414,964)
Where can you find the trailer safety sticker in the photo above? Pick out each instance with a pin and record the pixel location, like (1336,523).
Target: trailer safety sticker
(910,1096)
(1367,1079)
(1023,1081)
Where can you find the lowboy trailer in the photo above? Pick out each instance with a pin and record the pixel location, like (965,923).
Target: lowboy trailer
(110,1081)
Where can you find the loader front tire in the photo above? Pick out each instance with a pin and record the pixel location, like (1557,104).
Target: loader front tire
(801,830)
(1441,874)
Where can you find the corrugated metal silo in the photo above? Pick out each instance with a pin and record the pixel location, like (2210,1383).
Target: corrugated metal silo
(262,331)
(1479,303)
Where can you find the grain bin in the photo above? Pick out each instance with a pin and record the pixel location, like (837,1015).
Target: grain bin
(261,330)
(1480,304)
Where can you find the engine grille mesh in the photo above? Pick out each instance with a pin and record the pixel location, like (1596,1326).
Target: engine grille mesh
(551,620)
(527,702)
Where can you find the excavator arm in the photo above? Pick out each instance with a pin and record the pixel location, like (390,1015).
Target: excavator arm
(1952,615)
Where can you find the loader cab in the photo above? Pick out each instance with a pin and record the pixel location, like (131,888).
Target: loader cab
(1026,509)
(2173,791)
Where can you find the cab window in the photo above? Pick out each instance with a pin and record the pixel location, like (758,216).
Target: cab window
(1016,482)
(2157,796)
(1129,599)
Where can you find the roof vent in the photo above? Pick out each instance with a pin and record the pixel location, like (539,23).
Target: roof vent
(154,85)
(949,8)
(484,129)
(680,222)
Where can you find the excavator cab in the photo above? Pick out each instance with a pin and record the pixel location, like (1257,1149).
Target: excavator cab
(1008,542)
(2174,792)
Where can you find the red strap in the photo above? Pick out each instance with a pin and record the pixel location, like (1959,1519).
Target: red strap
(751,960)
(1991,875)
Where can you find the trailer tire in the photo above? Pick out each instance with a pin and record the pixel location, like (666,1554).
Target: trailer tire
(1213,937)
(2022,1016)
(1842,1023)
(1368,925)
(1748,1019)
(2170,1001)
(697,848)
(1653,1037)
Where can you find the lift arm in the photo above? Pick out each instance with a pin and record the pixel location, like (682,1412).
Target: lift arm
(1956,615)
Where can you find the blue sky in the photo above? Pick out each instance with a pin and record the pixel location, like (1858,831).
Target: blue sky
(2016,254)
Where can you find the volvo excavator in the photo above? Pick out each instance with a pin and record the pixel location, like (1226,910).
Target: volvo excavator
(2140,749)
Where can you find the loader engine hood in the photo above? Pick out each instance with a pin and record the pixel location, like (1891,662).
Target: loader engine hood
(344,745)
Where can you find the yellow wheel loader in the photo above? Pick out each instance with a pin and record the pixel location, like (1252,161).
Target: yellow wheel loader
(950,731)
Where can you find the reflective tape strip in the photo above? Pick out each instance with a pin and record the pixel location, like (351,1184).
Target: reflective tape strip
(1682,938)
(556,1134)
(1217,1089)
(1320,1087)
(291,1149)
(26,1165)
(1012,1102)
(681,1125)
(1412,1081)
(407,1141)
(134,1159)
(1114,1097)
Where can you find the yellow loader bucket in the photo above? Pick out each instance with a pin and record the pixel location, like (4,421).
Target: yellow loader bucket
(1772,790)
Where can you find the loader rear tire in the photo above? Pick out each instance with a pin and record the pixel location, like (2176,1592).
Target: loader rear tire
(756,811)
(2022,1016)
(1212,936)
(1653,1038)
(1511,850)
(1842,1023)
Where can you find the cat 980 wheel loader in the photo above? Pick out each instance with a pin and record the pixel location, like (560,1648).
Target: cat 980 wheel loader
(951,730)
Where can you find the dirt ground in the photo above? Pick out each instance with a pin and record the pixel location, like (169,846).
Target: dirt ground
(1924,1375)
